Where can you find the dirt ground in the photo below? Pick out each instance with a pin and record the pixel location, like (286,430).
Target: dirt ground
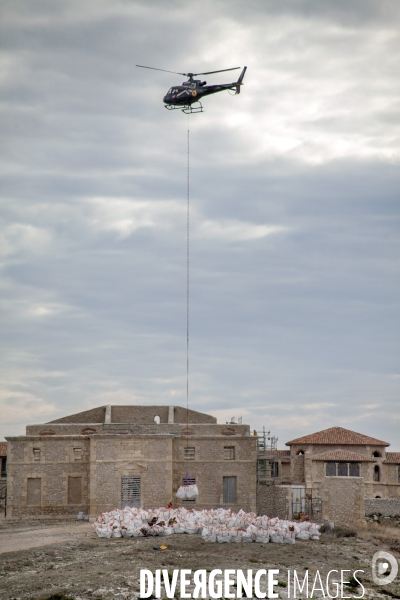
(64,559)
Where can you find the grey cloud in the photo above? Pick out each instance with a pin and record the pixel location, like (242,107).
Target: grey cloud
(299,322)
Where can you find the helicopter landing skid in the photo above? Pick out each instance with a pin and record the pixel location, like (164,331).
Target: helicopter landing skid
(187,108)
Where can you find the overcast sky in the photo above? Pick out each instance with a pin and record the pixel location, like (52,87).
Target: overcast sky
(294,220)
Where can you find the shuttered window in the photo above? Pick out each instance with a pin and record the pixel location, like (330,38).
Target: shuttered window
(130,491)
(229,485)
(188,480)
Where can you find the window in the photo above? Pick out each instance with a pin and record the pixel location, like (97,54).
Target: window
(130,491)
(376,454)
(77,453)
(377,474)
(188,480)
(229,490)
(4,466)
(74,490)
(36,454)
(189,501)
(229,452)
(34,491)
(274,468)
(300,453)
(188,453)
(398,473)
(342,469)
(330,469)
(157,420)
(354,470)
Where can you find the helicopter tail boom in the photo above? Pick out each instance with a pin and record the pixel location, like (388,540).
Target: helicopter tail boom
(239,81)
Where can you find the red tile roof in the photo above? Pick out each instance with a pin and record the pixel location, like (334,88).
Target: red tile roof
(338,435)
(3,448)
(344,455)
(393,457)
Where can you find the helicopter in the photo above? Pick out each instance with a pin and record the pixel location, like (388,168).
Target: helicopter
(183,97)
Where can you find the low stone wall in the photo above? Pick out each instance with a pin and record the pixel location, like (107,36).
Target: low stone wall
(387,507)
(273,500)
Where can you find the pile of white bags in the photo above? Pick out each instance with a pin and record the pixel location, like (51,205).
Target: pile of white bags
(187,491)
(215,525)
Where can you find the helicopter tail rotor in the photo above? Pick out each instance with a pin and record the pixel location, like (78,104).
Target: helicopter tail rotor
(240,80)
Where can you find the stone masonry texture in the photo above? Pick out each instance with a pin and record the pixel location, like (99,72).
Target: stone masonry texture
(79,463)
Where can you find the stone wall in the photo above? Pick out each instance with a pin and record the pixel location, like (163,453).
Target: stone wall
(136,414)
(39,476)
(210,466)
(343,500)
(145,415)
(202,429)
(95,415)
(297,469)
(45,429)
(387,507)
(114,457)
(194,416)
(273,500)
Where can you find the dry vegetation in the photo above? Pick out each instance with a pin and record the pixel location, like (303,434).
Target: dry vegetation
(73,563)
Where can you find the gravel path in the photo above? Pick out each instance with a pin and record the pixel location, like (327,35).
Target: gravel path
(28,537)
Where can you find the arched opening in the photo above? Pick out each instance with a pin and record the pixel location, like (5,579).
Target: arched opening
(300,452)
(377,473)
(157,420)
(378,496)
(376,454)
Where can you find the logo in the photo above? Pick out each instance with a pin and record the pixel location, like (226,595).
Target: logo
(381,561)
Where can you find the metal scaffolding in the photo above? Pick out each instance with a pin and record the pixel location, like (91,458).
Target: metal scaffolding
(267,465)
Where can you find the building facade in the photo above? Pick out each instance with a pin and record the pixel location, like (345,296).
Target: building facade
(113,456)
(333,475)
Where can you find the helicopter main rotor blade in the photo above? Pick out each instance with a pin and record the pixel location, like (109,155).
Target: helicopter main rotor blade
(220,71)
(188,74)
(165,71)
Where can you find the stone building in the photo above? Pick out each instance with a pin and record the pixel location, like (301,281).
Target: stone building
(335,475)
(111,456)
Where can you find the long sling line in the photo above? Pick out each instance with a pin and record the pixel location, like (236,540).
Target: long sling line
(187,293)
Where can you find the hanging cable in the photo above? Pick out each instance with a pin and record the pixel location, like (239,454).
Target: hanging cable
(188,489)
(187,283)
